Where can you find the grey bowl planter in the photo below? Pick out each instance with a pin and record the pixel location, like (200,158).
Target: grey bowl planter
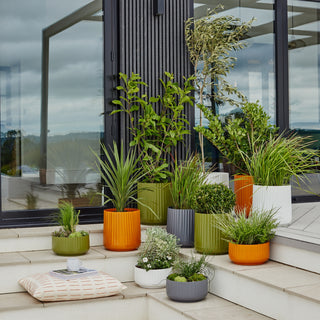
(187,291)
(180,222)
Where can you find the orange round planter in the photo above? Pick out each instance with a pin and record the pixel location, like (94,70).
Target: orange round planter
(243,186)
(121,230)
(249,254)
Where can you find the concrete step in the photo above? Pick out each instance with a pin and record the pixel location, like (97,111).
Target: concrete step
(133,303)
(296,249)
(16,265)
(273,289)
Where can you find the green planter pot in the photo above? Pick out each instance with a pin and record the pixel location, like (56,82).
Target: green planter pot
(207,237)
(157,196)
(70,246)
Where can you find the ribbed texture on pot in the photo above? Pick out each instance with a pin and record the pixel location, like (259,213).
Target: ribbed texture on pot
(70,246)
(157,196)
(121,230)
(207,237)
(249,254)
(180,222)
(187,291)
(243,186)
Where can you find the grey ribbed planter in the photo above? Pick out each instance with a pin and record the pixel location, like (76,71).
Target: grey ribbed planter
(187,291)
(180,222)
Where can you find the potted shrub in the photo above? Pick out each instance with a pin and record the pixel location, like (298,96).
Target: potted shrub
(272,164)
(157,124)
(186,180)
(155,259)
(249,238)
(211,200)
(188,283)
(121,226)
(67,241)
(232,136)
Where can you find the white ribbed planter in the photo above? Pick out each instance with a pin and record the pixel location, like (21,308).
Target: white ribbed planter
(152,278)
(274,197)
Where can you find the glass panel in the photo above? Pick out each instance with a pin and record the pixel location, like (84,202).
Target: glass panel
(254,72)
(51,100)
(304,77)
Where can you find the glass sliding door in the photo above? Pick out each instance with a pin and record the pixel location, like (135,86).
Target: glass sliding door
(304,79)
(51,101)
(254,71)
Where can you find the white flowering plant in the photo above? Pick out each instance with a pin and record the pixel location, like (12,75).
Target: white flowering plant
(159,251)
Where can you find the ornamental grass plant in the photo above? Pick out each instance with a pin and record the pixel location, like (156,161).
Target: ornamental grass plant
(159,251)
(274,162)
(185,182)
(258,228)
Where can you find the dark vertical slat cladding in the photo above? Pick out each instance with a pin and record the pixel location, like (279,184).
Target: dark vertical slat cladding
(154,44)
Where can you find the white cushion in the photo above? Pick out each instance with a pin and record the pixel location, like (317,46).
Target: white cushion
(45,287)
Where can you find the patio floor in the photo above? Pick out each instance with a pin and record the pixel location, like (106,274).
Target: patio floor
(305,225)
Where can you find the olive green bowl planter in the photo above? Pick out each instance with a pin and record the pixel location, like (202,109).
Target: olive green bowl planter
(156,196)
(207,236)
(63,246)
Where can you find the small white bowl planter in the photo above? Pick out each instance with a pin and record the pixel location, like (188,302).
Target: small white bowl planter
(155,278)
(274,197)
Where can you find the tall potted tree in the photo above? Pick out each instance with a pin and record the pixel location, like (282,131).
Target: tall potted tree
(185,182)
(121,228)
(272,164)
(210,41)
(156,134)
(210,201)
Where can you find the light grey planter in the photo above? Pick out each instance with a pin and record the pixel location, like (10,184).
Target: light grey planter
(180,222)
(187,291)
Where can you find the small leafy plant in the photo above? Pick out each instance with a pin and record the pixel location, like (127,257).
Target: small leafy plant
(233,136)
(68,219)
(258,228)
(188,271)
(159,251)
(155,133)
(185,182)
(213,198)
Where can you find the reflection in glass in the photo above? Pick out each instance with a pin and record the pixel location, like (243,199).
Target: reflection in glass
(44,161)
(254,73)
(304,77)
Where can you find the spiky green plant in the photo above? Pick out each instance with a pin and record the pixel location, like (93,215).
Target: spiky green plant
(185,181)
(258,228)
(274,162)
(68,218)
(120,175)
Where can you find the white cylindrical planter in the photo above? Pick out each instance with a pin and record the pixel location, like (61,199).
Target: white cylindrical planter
(151,279)
(218,177)
(274,197)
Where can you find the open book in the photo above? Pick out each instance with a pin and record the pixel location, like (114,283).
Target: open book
(67,275)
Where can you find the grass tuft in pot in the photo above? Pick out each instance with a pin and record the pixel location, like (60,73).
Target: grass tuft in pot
(68,219)
(258,228)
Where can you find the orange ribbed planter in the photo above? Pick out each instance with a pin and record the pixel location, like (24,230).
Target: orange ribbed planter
(252,254)
(121,230)
(243,186)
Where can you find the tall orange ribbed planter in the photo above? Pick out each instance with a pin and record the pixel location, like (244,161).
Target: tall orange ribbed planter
(249,254)
(243,186)
(121,230)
